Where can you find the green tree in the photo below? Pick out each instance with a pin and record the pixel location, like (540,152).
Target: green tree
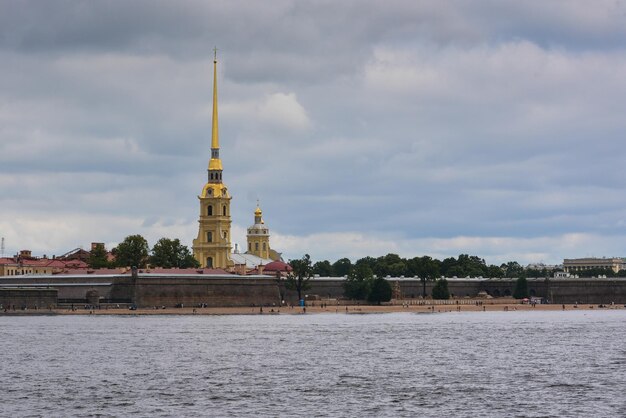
(440,290)
(596,272)
(380,291)
(168,253)
(98,257)
(357,284)
(342,267)
(494,271)
(513,269)
(298,278)
(323,268)
(521,288)
(426,269)
(132,252)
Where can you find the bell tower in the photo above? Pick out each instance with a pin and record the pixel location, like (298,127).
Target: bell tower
(259,236)
(212,246)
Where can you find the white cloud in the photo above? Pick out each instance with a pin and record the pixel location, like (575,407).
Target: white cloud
(495,250)
(284,111)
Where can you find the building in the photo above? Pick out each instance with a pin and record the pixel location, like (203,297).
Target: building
(26,264)
(212,246)
(258,236)
(574,265)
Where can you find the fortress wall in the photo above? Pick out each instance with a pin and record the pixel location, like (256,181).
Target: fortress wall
(28,298)
(555,290)
(229,290)
(71,288)
(170,291)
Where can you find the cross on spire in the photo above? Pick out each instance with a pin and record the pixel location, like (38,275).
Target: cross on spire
(215,54)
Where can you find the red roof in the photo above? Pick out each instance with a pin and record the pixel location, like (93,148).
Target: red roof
(7,260)
(159,270)
(277,266)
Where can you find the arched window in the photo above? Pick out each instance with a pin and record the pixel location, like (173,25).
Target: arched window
(224,210)
(264,246)
(256,246)
(249,246)
(209,262)
(209,236)
(209,210)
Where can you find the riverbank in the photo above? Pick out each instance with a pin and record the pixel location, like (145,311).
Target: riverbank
(315,309)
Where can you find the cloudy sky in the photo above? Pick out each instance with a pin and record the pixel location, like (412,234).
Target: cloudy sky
(489,127)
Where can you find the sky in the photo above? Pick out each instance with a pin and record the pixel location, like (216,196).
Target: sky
(491,128)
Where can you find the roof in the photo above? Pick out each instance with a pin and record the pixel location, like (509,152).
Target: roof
(250,260)
(159,270)
(277,266)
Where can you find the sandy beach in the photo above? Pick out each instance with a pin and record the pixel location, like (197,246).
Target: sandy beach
(318,308)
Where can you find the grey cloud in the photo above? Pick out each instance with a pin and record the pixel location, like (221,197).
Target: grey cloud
(427,120)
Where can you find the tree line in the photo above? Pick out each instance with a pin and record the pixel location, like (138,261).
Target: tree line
(395,266)
(134,251)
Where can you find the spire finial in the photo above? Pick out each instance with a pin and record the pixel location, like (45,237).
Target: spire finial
(215,54)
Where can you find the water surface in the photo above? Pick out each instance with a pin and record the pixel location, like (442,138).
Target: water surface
(525,364)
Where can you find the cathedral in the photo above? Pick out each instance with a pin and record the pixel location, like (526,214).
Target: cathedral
(212,247)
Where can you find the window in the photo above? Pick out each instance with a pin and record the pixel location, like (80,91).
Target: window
(209,236)
(209,210)
(209,262)
(224,210)
(249,246)
(264,246)
(225,235)
(256,246)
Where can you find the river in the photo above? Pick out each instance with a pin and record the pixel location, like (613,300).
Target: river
(481,364)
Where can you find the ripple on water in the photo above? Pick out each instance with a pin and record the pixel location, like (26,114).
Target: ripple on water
(475,364)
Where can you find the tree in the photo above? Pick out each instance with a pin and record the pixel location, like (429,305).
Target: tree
(380,291)
(357,284)
(494,271)
(342,267)
(298,278)
(440,290)
(168,253)
(132,252)
(521,288)
(425,268)
(323,268)
(98,257)
(513,269)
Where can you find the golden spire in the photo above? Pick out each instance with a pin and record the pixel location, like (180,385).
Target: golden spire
(215,143)
(215,163)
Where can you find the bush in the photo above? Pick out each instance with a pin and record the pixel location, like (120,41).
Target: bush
(521,288)
(380,291)
(440,290)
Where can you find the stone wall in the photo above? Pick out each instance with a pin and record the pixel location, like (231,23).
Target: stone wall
(567,290)
(213,291)
(34,298)
(231,290)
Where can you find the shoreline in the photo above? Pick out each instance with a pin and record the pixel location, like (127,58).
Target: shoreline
(317,310)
